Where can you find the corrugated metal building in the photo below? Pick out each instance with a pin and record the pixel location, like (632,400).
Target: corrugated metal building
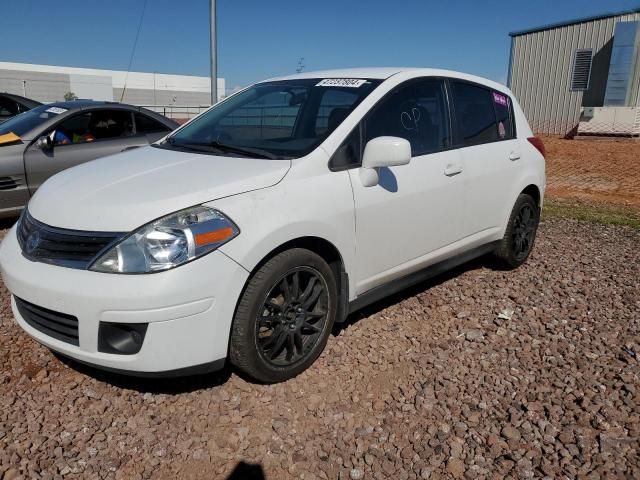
(557,70)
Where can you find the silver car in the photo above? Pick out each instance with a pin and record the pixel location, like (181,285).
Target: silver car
(50,138)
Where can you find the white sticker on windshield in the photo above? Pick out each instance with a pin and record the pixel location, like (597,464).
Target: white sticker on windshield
(56,110)
(341,82)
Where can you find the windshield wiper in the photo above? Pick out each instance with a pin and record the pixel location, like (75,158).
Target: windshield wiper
(252,152)
(223,147)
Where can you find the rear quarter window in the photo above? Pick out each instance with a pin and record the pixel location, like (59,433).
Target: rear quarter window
(145,124)
(475,113)
(504,115)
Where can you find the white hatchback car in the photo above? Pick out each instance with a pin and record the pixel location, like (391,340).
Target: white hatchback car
(252,229)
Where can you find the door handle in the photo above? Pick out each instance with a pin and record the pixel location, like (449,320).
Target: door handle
(452,169)
(513,156)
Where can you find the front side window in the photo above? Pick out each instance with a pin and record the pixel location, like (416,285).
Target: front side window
(474,107)
(348,154)
(92,126)
(417,112)
(8,108)
(283,119)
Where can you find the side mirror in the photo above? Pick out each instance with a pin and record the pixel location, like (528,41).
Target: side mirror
(383,152)
(45,142)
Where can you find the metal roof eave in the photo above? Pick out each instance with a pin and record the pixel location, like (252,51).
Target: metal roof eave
(573,22)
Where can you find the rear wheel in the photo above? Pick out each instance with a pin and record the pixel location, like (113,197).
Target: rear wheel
(516,246)
(284,316)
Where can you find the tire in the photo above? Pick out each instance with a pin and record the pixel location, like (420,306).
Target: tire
(279,329)
(520,235)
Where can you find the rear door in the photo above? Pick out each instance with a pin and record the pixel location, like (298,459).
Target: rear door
(84,136)
(491,154)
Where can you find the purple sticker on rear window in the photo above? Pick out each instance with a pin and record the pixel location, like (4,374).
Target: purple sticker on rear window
(500,99)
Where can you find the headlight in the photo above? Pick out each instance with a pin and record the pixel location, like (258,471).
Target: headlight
(168,242)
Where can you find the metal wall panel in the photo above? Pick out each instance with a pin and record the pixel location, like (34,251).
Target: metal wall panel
(137,96)
(541,65)
(44,87)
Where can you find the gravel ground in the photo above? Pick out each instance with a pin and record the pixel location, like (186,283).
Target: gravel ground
(429,384)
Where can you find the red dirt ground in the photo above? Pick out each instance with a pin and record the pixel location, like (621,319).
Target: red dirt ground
(594,170)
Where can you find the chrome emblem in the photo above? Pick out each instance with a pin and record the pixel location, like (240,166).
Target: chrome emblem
(33,241)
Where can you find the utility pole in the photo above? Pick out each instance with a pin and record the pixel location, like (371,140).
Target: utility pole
(214,53)
(24,88)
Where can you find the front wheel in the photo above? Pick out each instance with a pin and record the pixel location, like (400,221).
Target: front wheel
(520,235)
(284,316)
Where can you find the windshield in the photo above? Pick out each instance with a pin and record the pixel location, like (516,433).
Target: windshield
(285,119)
(21,124)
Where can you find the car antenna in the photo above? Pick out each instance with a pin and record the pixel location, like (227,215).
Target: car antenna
(133,50)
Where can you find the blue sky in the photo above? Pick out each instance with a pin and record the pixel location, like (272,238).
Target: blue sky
(262,38)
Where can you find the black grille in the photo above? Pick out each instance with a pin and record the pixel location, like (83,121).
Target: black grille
(8,183)
(57,325)
(61,246)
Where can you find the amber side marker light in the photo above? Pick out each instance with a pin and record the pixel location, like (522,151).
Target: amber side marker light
(216,236)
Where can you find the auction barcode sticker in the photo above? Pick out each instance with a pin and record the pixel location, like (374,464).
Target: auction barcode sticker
(341,82)
(56,110)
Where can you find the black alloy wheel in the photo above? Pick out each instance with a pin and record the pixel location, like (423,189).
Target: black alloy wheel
(293,317)
(523,232)
(520,235)
(284,316)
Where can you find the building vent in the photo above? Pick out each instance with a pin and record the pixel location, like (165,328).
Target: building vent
(581,69)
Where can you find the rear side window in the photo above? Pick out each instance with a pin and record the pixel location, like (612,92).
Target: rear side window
(92,126)
(475,113)
(145,124)
(417,112)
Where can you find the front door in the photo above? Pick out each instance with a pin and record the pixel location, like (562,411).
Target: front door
(78,139)
(415,209)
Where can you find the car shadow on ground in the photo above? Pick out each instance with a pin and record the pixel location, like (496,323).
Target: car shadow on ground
(486,261)
(165,385)
(180,385)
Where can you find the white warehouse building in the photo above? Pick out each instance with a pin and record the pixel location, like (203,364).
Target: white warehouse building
(49,83)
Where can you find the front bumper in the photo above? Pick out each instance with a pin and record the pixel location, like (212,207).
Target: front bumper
(189,309)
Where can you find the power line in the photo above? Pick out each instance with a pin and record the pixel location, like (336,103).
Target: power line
(133,50)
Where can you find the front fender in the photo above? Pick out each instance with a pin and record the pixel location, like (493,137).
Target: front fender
(319,206)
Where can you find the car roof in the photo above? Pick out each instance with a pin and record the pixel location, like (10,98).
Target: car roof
(383,73)
(77,104)
(380,73)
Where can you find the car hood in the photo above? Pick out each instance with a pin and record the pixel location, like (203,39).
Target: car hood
(124,191)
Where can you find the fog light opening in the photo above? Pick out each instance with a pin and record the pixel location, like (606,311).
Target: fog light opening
(121,338)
